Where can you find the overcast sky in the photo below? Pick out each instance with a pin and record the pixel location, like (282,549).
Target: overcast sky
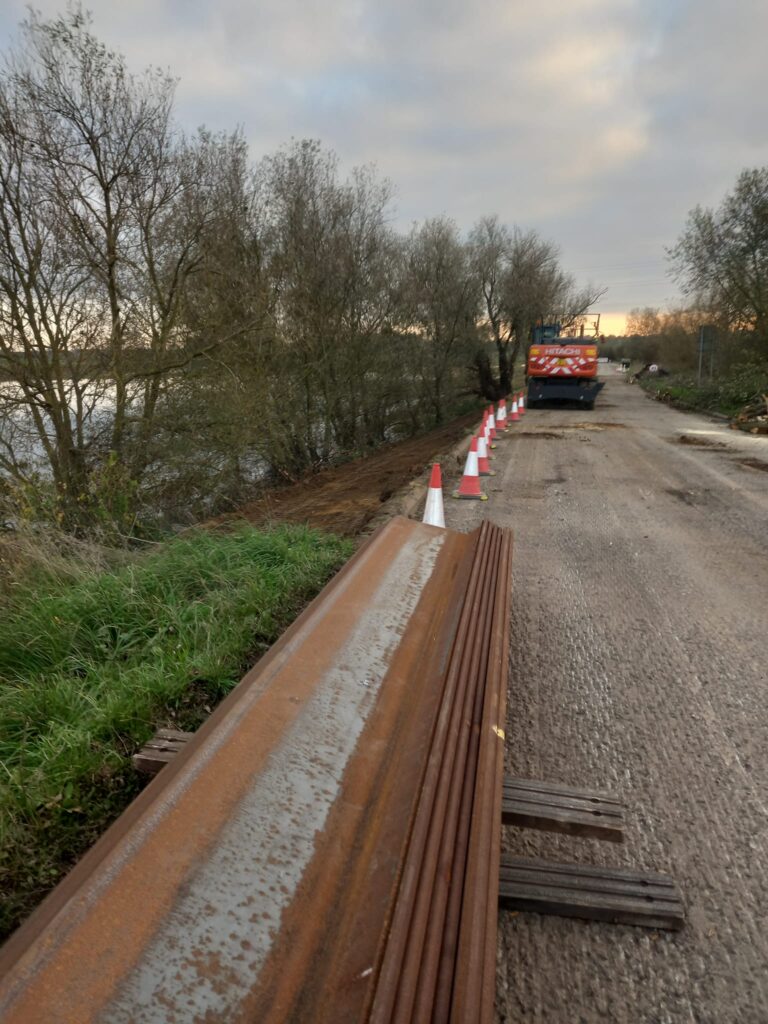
(599,123)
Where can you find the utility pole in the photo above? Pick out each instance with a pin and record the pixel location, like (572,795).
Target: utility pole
(701,353)
(706,344)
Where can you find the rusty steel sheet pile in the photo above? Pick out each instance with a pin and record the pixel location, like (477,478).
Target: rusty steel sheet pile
(326,847)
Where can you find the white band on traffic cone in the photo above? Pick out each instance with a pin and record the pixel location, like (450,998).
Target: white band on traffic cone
(433,510)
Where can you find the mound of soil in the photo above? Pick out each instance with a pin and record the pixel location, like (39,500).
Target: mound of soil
(699,442)
(601,425)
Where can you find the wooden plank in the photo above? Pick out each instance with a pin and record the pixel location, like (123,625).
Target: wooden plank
(155,744)
(545,786)
(565,876)
(569,822)
(608,810)
(160,750)
(604,894)
(553,807)
(173,734)
(589,871)
(150,763)
(561,794)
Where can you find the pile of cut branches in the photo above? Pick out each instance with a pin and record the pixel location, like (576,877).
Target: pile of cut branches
(753,417)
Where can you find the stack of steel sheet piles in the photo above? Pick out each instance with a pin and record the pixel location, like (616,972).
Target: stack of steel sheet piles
(326,847)
(440,954)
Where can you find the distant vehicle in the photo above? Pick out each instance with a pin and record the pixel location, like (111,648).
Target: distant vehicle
(564,365)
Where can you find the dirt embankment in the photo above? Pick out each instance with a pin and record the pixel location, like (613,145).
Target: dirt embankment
(344,499)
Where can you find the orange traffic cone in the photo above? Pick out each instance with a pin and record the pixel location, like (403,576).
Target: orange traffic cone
(483,468)
(486,428)
(521,404)
(470,482)
(433,510)
(514,416)
(501,416)
(492,423)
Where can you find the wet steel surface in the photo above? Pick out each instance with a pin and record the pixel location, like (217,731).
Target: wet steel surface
(261,876)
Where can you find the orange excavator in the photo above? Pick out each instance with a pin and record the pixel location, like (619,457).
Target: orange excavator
(562,364)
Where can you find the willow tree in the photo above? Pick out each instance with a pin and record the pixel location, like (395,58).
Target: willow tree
(329,262)
(108,217)
(441,306)
(522,283)
(721,259)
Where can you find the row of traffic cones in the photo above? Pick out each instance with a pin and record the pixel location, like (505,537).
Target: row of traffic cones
(494,424)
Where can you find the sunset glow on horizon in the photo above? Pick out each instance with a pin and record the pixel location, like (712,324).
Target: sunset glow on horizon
(613,323)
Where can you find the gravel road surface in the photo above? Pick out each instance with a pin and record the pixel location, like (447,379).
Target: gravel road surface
(639,664)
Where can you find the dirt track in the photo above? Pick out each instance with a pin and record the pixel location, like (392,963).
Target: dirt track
(640,664)
(346,498)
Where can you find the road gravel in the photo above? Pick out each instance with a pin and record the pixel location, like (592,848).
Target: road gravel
(639,663)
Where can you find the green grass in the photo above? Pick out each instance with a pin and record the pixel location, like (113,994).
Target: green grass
(727,394)
(92,661)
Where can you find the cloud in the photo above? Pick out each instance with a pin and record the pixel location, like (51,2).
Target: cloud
(598,122)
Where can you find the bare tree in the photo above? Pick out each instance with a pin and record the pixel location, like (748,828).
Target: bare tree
(442,302)
(721,259)
(644,322)
(670,336)
(522,282)
(106,214)
(490,244)
(330,260)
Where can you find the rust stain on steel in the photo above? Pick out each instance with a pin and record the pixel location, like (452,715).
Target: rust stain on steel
(474,982)
(450,840)
(417,979)
(439,958)
(326,848)
(406,934)
(325,966)
(279,822)
(443,961)
(87,956)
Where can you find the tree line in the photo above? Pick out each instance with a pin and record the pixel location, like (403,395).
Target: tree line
(720,262)
(178,322)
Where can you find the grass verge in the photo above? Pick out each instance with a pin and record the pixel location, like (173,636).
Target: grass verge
(726,395)
(92,661)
